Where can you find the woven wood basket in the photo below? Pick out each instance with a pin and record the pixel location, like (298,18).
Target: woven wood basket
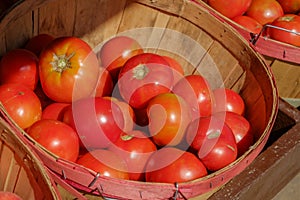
(182,28)
(21,171)
(283,58)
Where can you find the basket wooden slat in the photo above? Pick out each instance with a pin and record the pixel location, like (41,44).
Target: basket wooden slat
(21,171)
(223,56)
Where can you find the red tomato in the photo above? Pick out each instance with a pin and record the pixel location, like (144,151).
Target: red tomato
(214,142)
(57,137)
(38,43)
(264,11)
(105,162)
(143,77)
(19,66)
(116,51)
(289,22)
(168,115)
(135,148)
(55,111)
(105,84)
(290,6)
(98,121)
(6,195)
(248,23)
(230,8)
(68,69)
(241,129)
(171,165)
(229,100)
(128,114)
(21,103)
(177,69)
(196,91)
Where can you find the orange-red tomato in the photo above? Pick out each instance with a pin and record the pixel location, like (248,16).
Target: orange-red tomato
(55,111)
(290,6)
(105,84)
(248,23)
(168,115)
(19,66)
(21,103)
(116,51)
(5,195)
(105,162)
(265,11)
(68,69)
(37,43)
(177,69)
(57,137)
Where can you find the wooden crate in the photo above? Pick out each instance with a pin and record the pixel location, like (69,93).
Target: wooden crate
(180,28)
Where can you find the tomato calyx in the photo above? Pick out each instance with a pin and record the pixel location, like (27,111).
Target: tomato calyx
(61,62)
(126,137)
(214,134)
(286,19)
(140,71)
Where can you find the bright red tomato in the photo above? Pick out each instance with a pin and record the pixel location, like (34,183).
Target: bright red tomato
(214,142)
(177,69)
(230,8)
(19,66)
(98,121)
(264,11)
(171,165)
(241,129)
(116,51)
(105,162)
(57,137)
(135,148)
(55,111)
(21,103)
(290,22)
(290,6)
(105,84)
(143,77)
(196,91)
(228,100)
(248,23)
(168,115)
(68,69)
(38,43)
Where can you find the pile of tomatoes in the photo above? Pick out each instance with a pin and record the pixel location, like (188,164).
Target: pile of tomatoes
(281,17)
(123,112)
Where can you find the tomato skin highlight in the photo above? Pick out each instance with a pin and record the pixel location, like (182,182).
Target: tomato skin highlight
(57,137)
(144,76)
(19,66)
(68,69)
(21,103)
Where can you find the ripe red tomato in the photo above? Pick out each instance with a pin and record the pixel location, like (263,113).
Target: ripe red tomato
(135,148)
(290,22)
(19,66)
(55,111)
(230,8)
(171,165)
(248,23)
(241,129)
(6,195)
(105,162)
(264,11)
(168,115)
(144,76)
(177,69)
(290,6)
(37,43)
(98,121)
(228,100)
(214,142)
(21,103)
(196,91)
(105,84)
(68,69)
(116,51)
(57,137)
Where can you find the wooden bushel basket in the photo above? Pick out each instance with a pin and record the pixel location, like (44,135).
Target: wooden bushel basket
(21,171)
(217,51)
